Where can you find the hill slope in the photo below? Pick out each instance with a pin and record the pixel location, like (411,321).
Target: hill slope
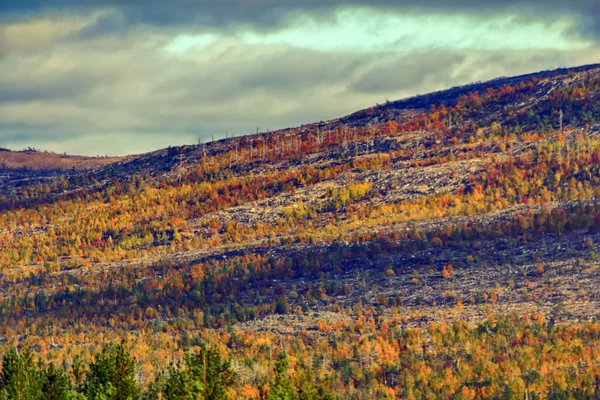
(28,167)
(460,205)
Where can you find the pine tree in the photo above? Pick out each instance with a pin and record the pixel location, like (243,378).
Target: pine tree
(204,375)
(20,377)
(112,375)
(55,384)
(281,388)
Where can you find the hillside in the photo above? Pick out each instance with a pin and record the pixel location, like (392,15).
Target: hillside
(30,167)
(32,160)
(385,235)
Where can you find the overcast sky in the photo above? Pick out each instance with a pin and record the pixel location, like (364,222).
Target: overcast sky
(115,77)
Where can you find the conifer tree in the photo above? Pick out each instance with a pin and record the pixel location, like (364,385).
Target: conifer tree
(55,384)
(112,375)
(281,388)
(20,377)
(204,375)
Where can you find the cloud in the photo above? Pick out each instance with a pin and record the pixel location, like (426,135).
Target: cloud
(129,76)
(47,87)
(274,14)
(135,96)
(409,72)
(35,34)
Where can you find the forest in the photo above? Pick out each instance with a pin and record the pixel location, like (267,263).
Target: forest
(498,359)
(447,251)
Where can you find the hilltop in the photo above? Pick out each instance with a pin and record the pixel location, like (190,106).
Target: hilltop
(34,160)
(30,166)
(457,207)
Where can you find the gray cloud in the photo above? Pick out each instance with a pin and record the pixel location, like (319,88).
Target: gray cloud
(410,72)
(66,86)
(72,97)
(93,77)
(272,14)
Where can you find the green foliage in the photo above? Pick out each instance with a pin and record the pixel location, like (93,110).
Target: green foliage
(281,387)
(23,378)
(282,306)
(56,385)
(204,375)
(20,377)
(111,375)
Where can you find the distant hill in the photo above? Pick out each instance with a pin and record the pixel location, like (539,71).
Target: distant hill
(41,160)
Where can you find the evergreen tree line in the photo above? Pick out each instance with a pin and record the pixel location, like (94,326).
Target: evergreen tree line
(203,375)
(112,376)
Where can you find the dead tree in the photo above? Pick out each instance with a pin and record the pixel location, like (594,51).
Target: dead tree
(561,121)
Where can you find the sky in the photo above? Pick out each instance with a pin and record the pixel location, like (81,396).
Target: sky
(118,77)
